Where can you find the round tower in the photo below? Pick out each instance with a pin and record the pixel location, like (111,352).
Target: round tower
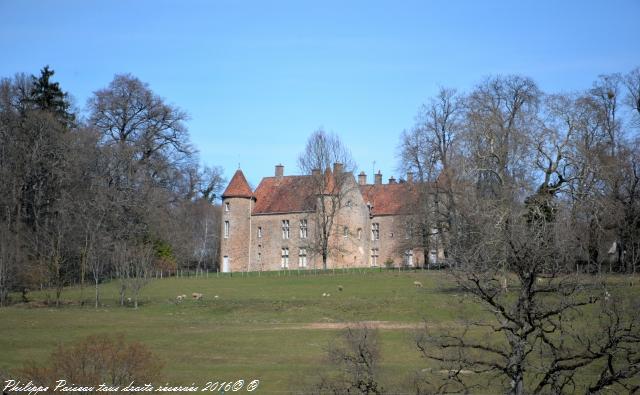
(235,245)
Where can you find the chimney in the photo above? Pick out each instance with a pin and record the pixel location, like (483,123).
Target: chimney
(315,172)
(409,176)
(279,170)
(362,178)
(392,180)
(337,168)
(378,178)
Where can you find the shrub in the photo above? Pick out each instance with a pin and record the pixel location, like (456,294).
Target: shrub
(97,359)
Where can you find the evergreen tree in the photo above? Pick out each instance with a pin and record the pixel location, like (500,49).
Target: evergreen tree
(46,95)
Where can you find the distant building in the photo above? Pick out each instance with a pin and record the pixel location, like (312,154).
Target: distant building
(273,227)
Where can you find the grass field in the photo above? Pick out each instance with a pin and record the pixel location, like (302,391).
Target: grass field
(272,328)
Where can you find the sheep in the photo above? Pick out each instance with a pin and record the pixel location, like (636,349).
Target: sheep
(418,284)
(179,298)
(324,294)
(196,296)
(340,288)
(215,297)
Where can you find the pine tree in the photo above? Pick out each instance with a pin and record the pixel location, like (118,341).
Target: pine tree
(47,96)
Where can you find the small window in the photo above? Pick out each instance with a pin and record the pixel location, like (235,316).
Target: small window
(226,206)
(408,257)
(391,235)
(285,229)
(284,263)
(302,257)
(359,233)
(374,257)
(375,231)
(226,229)
(349,204)
(345,232)
(259,232)
(409,231)
(303,229)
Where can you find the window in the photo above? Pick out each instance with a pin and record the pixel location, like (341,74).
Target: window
(409,231)
(408,257)
(345,232)
(375,231)
(226,206)
(303,229)
(302,257)
(349,204)
(391,234)
(226,229)
(285,229)
(284,263)
(359,233)
(374,257)
(259,231)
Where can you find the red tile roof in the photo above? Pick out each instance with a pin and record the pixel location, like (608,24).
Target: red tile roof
(238,187)
(389,199)
(285,195)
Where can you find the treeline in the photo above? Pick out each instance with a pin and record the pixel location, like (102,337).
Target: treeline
(115,191)
(528,191)
(507,153)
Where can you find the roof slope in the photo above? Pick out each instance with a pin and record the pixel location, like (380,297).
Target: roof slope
(285,195)
(389,199)
(238,187)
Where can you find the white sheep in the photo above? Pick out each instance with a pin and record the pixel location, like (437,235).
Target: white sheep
(418,284)
(179,298)
(196,296)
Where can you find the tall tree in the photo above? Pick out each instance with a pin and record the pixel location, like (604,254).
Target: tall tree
(330,189)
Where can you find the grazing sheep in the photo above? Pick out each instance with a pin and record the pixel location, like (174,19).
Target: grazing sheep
(215,297)
(179,298)
(418,284)
(196,296)
(324,294)
(340,288)
(183,296)
(328,294)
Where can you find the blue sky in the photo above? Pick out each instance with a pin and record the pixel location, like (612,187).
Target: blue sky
(257,77)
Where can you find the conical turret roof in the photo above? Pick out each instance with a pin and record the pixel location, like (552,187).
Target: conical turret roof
(238,187)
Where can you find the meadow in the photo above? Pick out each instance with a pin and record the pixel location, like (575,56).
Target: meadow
(275,328)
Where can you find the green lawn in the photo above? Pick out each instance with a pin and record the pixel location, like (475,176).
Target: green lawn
(258,327)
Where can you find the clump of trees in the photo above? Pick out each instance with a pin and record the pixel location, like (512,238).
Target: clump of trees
(114,192)
(526,192)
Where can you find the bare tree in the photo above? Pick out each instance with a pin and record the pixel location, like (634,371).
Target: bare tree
(429,152)
(357,356)
(330,189)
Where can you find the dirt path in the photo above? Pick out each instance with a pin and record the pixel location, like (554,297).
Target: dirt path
(344,325)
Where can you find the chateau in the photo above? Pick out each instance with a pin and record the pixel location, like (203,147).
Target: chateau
(276,226)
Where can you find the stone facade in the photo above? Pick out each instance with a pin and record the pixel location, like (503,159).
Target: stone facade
(274,227)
